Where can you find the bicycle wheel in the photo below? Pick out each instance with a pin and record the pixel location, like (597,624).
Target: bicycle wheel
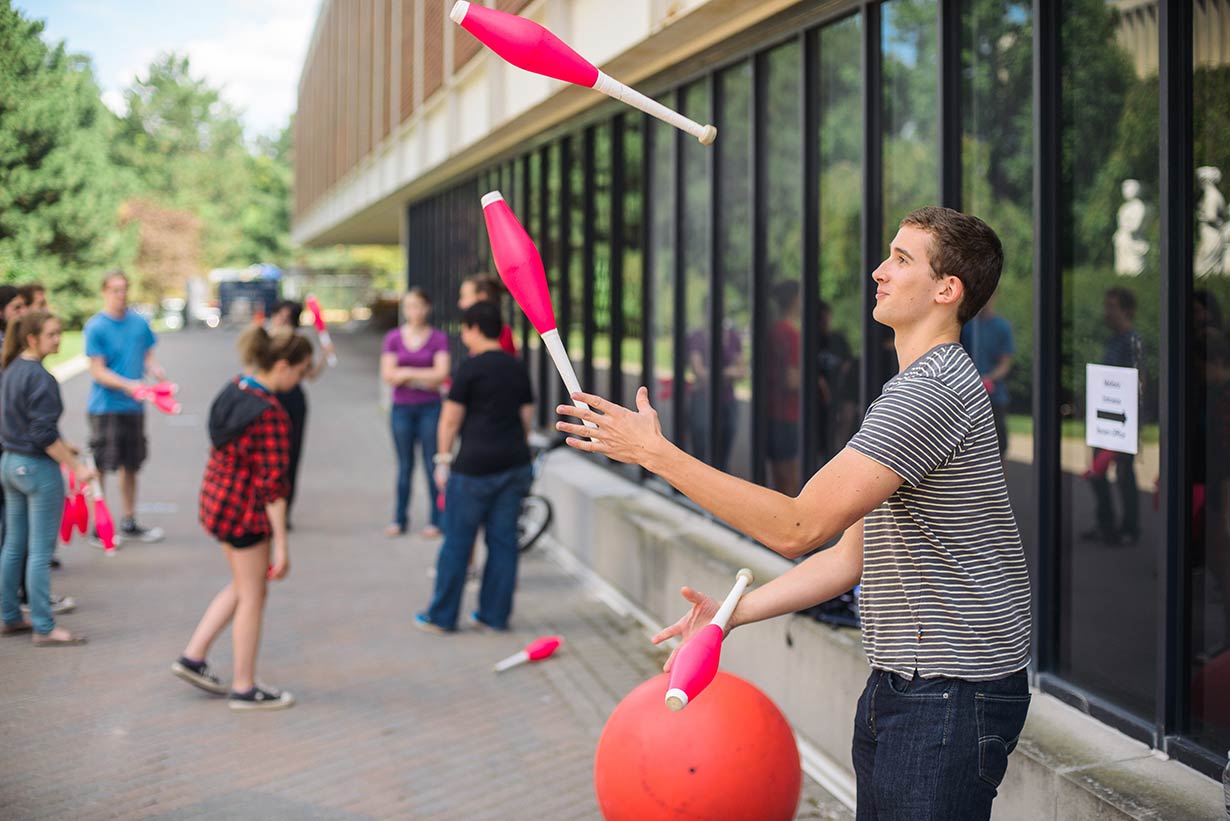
(533,521)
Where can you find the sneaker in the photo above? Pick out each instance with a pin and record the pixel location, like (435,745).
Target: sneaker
(198,674)
(428,626)
(260,698)
(59,605)
(94,541)
(131,530)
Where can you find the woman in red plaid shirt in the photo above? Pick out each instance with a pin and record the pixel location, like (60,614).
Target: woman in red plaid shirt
(243,506)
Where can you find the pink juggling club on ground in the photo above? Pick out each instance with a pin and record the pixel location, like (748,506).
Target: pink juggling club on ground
(536,650)
(104,526)
(520,267)
(697,661)
(527,45)
(318,319)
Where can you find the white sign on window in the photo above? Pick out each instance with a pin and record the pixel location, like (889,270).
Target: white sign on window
(1111,408)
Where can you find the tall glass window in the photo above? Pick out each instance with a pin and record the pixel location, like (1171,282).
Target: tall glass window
(1108,599)
(697,266)
(600,182)
(734,271)
(661,188)
(576,273)
(632,244)
(553,391)
(997,185)
(841,210)
(783,273)
(1209,422)
(533,221)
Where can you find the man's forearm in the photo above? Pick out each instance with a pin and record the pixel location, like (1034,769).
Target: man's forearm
(771,518)
(110,379)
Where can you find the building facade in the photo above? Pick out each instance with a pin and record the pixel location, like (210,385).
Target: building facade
(1091,134)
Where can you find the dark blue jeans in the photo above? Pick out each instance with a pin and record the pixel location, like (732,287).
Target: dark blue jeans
(414,423)
(34,503)
(494,503)
(934,749)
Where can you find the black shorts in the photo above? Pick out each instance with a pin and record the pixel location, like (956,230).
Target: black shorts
(246,540)
(118,441)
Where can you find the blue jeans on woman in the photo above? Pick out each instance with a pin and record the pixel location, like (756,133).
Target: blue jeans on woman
(34,503)
(494,503)
(934,749)
(414,423)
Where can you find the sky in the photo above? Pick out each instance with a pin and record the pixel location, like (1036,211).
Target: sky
(252,50)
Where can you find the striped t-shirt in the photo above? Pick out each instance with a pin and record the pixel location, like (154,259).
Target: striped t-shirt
(945,590)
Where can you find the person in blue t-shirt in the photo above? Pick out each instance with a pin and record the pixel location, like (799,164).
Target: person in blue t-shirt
(120,345)
(987,338)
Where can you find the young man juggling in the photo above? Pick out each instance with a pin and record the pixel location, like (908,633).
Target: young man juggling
(919,500)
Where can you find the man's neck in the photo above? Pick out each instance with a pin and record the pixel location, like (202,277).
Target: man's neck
(486,346)
(912,343)
(116,314)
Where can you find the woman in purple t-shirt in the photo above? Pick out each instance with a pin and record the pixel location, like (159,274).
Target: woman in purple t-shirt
(415,362)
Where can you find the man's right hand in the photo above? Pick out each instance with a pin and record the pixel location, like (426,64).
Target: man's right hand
(703,610)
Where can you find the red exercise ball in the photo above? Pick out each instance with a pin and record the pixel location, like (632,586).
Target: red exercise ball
(728,755)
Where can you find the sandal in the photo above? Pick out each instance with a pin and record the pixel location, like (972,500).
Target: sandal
(16,628)
(47,640)
(394,530)
(430,532)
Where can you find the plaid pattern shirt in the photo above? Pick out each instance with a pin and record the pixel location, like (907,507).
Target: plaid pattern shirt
(245,474)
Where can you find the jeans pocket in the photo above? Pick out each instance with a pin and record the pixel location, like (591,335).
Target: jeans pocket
(1000,719)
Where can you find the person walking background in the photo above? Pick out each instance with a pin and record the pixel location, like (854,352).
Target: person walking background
(243,506)
(286,319)
(415,362)
(30,411)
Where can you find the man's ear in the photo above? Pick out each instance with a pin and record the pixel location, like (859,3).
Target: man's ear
(951,290)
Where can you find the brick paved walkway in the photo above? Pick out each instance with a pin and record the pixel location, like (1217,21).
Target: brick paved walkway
(391,722)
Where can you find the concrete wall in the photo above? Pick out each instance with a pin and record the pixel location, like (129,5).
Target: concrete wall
(1067,766)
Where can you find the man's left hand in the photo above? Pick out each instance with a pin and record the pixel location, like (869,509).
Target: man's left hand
(618,433)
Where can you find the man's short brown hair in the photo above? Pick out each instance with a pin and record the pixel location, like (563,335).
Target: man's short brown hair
(486,287)
(30,290)
(964,247)
(114,273)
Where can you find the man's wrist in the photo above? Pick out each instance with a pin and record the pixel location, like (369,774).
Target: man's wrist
(657,455)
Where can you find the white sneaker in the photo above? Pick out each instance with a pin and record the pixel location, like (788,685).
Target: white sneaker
(59,605)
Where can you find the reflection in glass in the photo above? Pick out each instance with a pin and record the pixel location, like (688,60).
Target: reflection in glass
(633,262)
(661,186)
(734,269)
(911,149)
(534,226)
(600,182)
(1111,285)
(997,185)
(841,209)
(576,273)
(783,136)
(1209,422)
(697,263)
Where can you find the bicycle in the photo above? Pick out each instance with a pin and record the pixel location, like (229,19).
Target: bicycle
(536,511)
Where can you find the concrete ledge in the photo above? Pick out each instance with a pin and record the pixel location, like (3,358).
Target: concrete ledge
(1067,766)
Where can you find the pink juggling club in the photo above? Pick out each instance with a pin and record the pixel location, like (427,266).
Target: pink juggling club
(318,319)
(529,46)
(70,510)
(520,267)
(536,650)
(160,395)
(104,526)
(697,661)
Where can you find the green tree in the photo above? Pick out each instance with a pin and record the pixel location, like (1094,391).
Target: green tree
(58,196)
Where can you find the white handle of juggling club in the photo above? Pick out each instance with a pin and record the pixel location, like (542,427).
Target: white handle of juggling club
(613,88)
(512,661)
(95,485)
(732,598)
(327,342)
(555,347)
